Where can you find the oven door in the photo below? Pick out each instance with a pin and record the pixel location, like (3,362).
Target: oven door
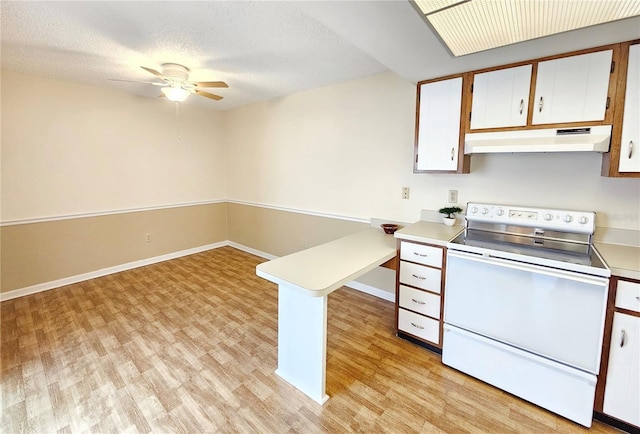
(553,313)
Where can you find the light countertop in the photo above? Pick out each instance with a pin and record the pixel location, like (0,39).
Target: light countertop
(429,232)
(624,261)
(319,270)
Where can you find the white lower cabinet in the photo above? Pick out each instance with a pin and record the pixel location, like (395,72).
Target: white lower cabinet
(622,394)
(419,292)
(622,389)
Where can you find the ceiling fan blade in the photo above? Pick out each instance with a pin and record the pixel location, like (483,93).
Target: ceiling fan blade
(211,84)
(208,95)
(153,71)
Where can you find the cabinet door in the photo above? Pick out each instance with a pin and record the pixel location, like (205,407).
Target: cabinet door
(572,89)
(622,392)
(501,98)
(439,125)
(630,141)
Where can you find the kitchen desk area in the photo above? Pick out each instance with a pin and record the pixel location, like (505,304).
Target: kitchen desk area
(305,279)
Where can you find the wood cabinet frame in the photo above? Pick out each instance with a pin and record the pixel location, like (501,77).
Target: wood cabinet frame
(464,161)
(604,358)
(611,160)
(612,92)
(432,346)
(614,112)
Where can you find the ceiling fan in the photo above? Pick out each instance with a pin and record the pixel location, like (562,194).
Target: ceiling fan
(176,85)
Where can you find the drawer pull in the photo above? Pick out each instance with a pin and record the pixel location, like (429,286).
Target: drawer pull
(623,338)
(521,105)
(630,148)
(418,277)
(422,255)
(417,301)
(540,105)
(417,326)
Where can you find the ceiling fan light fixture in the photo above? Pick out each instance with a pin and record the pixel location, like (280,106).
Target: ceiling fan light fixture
(175,93)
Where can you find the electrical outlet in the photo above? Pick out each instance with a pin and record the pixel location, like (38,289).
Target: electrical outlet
(405,192)
(453,196)
(147,238)
(305,244)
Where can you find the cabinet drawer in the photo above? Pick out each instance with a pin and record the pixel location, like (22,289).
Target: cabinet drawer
(420,276)
(422,254)
(419,301)
(418,325)
(628,295)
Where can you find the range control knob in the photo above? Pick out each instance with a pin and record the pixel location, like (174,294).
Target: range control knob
(568,218)
(485,211)
(474,210)
(583,220)
(548,216)
(500,212)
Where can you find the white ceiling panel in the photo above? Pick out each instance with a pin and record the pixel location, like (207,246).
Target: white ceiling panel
(262,49)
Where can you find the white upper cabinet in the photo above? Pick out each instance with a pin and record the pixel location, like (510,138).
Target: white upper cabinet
(501,98)
(438,135)
(630,139)
(572,89)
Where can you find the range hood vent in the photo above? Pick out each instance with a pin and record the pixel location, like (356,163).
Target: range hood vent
(587,139)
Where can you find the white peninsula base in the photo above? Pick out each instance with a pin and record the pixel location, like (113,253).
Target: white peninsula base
(305,279)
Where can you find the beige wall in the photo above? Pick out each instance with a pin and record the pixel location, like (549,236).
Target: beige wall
(44,252)
(72,149)
(347,150)
(343,150)
(279,232)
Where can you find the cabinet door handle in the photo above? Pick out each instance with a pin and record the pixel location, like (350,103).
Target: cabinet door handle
(452,153)
(540,105)
(630,148)
(418,277)
(417,301)
(422,255)
(417,326)
(521,105)
(623,338)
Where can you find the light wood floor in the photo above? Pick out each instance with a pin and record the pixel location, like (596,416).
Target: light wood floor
(189,345)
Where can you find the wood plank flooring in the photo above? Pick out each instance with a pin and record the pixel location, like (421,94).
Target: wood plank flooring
(189,346)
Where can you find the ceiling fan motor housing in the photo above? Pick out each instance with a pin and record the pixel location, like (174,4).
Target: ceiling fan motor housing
(173,70)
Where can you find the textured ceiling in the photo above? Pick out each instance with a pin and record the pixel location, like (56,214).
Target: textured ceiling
(263,49)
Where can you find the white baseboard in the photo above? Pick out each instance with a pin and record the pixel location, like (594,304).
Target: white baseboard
(371,290)
(250,250)
(41,287)
(105,271)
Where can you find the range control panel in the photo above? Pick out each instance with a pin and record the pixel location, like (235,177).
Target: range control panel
(543,218)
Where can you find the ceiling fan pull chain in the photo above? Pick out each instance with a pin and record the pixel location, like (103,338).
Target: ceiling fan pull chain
(177,122)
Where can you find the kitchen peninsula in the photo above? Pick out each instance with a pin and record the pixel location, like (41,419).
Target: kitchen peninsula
(305,279)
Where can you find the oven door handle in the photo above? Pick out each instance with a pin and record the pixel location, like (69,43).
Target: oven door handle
(539,269)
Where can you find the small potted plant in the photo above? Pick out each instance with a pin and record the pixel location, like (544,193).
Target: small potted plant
(450,214)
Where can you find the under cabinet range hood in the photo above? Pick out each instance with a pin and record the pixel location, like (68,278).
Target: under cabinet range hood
(584,139)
